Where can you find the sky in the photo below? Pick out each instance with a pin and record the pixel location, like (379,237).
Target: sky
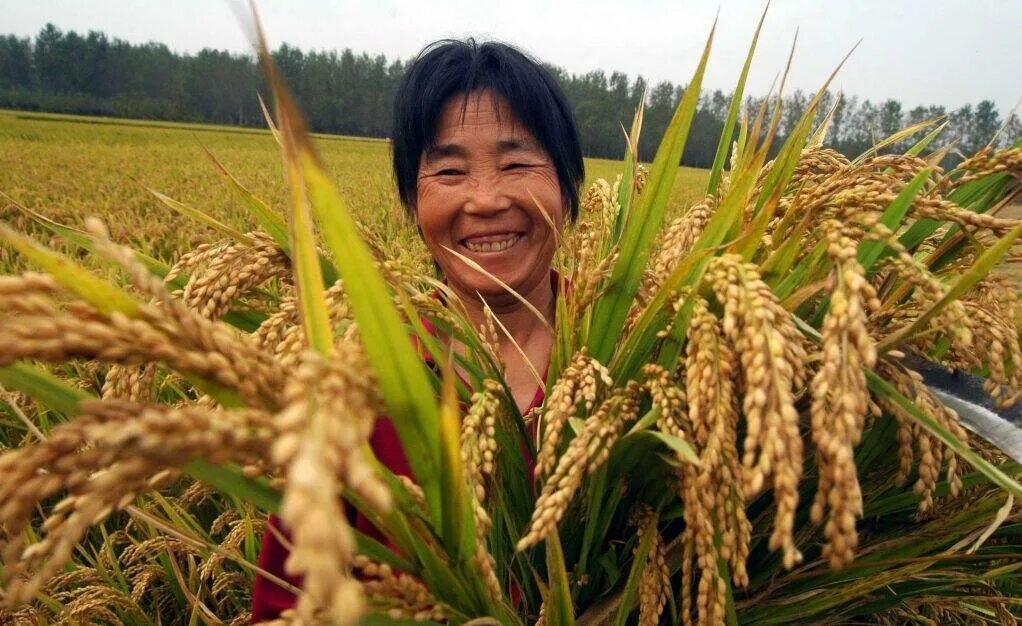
(947,52)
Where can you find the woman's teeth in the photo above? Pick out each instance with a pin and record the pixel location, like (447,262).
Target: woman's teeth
(492,246)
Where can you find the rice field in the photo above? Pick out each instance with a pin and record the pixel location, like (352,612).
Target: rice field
(734,431)
(70,167)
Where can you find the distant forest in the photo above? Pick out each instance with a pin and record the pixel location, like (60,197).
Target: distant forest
(348,93)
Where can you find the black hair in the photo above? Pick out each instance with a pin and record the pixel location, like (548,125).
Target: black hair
(451,67)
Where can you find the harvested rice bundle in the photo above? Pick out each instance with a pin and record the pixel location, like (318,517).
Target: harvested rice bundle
(733,429)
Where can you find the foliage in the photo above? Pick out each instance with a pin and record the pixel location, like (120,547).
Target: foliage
(348,93)
(729,433)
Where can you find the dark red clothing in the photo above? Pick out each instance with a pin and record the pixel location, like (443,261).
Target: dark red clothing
(268,598)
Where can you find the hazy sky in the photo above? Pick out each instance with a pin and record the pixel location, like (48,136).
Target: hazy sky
(948,52)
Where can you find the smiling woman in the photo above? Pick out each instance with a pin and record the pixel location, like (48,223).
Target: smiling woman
(487,159)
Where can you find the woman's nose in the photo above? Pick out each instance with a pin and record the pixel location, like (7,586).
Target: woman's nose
(486,196)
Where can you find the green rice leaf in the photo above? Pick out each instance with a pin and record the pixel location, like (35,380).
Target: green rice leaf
(44,387)
(400,373)
(626,193)
(923,143)
(457,535)
(628,594)
(680,447)
(201,217)
(979,269)
(268,220)
(897,137)
(229,480)
(717,169)
(100,293)
(882,388)
(869,251)
(308,277)
(559,609)
(644,222)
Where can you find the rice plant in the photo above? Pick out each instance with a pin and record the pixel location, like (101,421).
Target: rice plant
(735,428)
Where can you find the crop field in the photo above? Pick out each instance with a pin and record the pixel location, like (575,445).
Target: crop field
(735,425)
(70,167)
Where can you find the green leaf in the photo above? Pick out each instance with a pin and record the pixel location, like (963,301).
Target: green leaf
(641,555)
(201,217)
(47,389)
(974,195)
(399,370)
(229,479)
(400,373)
(716,170)
(869,251)
(882,388)
(681,447)
(559,609)
(100,293)
(922,144)
(644,222)
(979,269)
(308,276)
(457,539)
(268,220)
(271,223)
(626,193)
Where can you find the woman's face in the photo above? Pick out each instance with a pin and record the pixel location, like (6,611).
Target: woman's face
(482,191)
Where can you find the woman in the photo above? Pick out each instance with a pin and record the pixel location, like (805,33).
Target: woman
(487,159)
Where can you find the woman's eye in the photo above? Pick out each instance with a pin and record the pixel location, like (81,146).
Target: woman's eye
(450,172)
(516,166)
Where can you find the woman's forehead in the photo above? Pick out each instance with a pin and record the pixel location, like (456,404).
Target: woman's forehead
(480,111)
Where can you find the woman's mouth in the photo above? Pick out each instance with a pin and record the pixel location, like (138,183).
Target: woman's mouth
(492,243)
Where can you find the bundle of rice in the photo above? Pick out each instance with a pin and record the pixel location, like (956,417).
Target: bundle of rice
(734,431)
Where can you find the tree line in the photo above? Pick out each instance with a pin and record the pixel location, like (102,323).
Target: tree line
(348,93)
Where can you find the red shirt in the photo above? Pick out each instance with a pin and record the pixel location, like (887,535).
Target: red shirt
(268,598)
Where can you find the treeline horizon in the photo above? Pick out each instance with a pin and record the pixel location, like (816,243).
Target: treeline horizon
(351,94)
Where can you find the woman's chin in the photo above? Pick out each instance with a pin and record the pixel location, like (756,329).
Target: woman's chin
(489,288)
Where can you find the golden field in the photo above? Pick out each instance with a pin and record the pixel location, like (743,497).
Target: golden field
(753,445)
(70,167)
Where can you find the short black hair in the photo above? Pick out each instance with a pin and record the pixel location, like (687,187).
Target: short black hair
(450,67)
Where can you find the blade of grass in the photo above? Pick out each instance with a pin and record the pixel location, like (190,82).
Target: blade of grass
(626,193)
(201,217)
(44,387)
(559,610)
(890,140)
(452,477)
(400,373)
(882,388)
(641,555)
(716,170)
(979,269)
(644,222)
(100,293)
(273,224)
(869,251)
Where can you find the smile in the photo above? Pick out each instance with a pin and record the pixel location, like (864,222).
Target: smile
(492,243)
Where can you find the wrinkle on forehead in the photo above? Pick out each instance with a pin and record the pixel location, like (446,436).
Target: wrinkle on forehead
(505,116)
